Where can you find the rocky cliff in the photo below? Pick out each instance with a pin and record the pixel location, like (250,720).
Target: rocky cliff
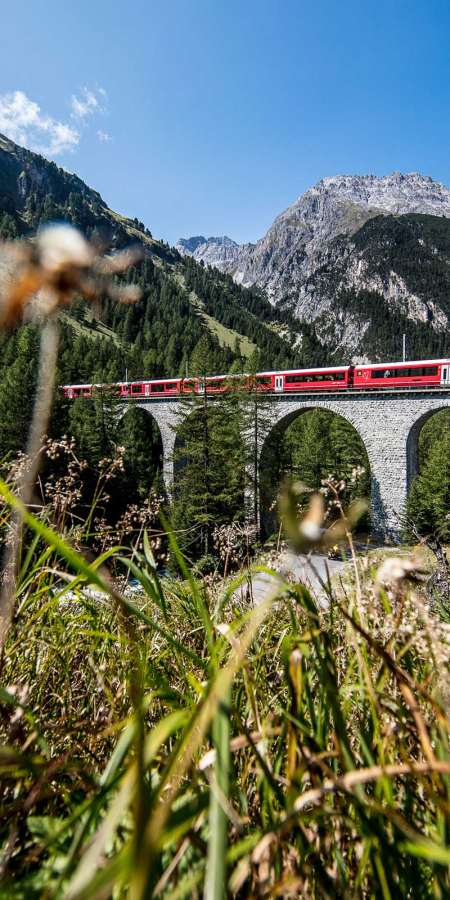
(220,252)
(311,256)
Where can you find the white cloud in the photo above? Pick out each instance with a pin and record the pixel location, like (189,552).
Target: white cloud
(87,103)
(22,120)
(103,136)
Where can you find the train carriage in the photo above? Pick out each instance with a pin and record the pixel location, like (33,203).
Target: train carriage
(423,373)
(331,378)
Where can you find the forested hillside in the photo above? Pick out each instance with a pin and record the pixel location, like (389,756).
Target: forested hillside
(391,277)
(155,337)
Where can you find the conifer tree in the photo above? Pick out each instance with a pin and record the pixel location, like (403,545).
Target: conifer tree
(254,415)
(208,485)
(428,503)
(17,388)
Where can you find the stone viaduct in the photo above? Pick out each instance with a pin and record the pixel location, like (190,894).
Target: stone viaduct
(389,423)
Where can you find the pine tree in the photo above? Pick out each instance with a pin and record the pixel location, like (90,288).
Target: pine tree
(428,502)
(209,476)
(138,432)
(254,415)
(17,389)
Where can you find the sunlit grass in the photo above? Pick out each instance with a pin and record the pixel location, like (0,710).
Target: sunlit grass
(173,746)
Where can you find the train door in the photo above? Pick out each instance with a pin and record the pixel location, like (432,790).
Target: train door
(445,375)
(278,382)
(147,390)
(201,386)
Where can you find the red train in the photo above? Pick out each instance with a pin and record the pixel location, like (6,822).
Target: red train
(424,373)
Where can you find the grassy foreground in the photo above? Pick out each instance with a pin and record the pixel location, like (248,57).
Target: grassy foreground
(177,746)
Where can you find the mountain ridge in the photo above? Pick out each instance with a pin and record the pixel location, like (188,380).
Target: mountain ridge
(181,299)
(336,205)
(311,256)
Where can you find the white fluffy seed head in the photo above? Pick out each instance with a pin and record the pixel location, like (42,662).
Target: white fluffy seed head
(61,246)
(395,570)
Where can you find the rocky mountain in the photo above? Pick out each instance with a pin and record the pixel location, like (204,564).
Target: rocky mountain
(318,249)
(220,252)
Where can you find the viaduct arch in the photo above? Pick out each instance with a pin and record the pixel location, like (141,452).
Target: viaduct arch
(164,412)
(388,422)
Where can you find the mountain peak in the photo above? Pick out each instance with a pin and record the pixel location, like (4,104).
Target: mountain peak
(296,242)
(220,252)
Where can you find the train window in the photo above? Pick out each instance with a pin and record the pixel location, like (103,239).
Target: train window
(266,381)
(156,388)
(359,373)
(406,372)
(170,386)
(339,376)
(137,389)
(383,373)
(292,379)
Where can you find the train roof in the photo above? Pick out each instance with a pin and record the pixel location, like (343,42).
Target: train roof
(309,369)
(401,362)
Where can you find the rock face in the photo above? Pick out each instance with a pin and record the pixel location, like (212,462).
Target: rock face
(322,249)
(294,247)
(220,252)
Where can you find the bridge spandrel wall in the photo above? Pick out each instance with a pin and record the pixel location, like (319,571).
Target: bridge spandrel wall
(389,425)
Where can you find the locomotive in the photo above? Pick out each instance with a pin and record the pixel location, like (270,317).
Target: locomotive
(380,376)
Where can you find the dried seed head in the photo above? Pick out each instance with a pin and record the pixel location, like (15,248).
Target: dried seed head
(396,570)
(311,525)
(62,265)
(59,246)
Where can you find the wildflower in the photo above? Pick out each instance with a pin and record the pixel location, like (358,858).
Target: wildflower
(395,571)
(310,526)
(62,264)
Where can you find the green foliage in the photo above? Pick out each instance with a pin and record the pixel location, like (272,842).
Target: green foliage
(428,504)
(248,312)
(18,358)
(209,465)
(317,444)
(175,745)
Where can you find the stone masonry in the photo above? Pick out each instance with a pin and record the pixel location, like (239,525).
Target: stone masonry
(389,423)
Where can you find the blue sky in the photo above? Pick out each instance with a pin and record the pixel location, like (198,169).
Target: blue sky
(211,117)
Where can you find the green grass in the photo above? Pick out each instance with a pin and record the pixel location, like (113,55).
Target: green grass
(175,745)
(87,328)
(226,336)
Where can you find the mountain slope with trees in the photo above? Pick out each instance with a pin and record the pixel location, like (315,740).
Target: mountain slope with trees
(361,258)
(157,335)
